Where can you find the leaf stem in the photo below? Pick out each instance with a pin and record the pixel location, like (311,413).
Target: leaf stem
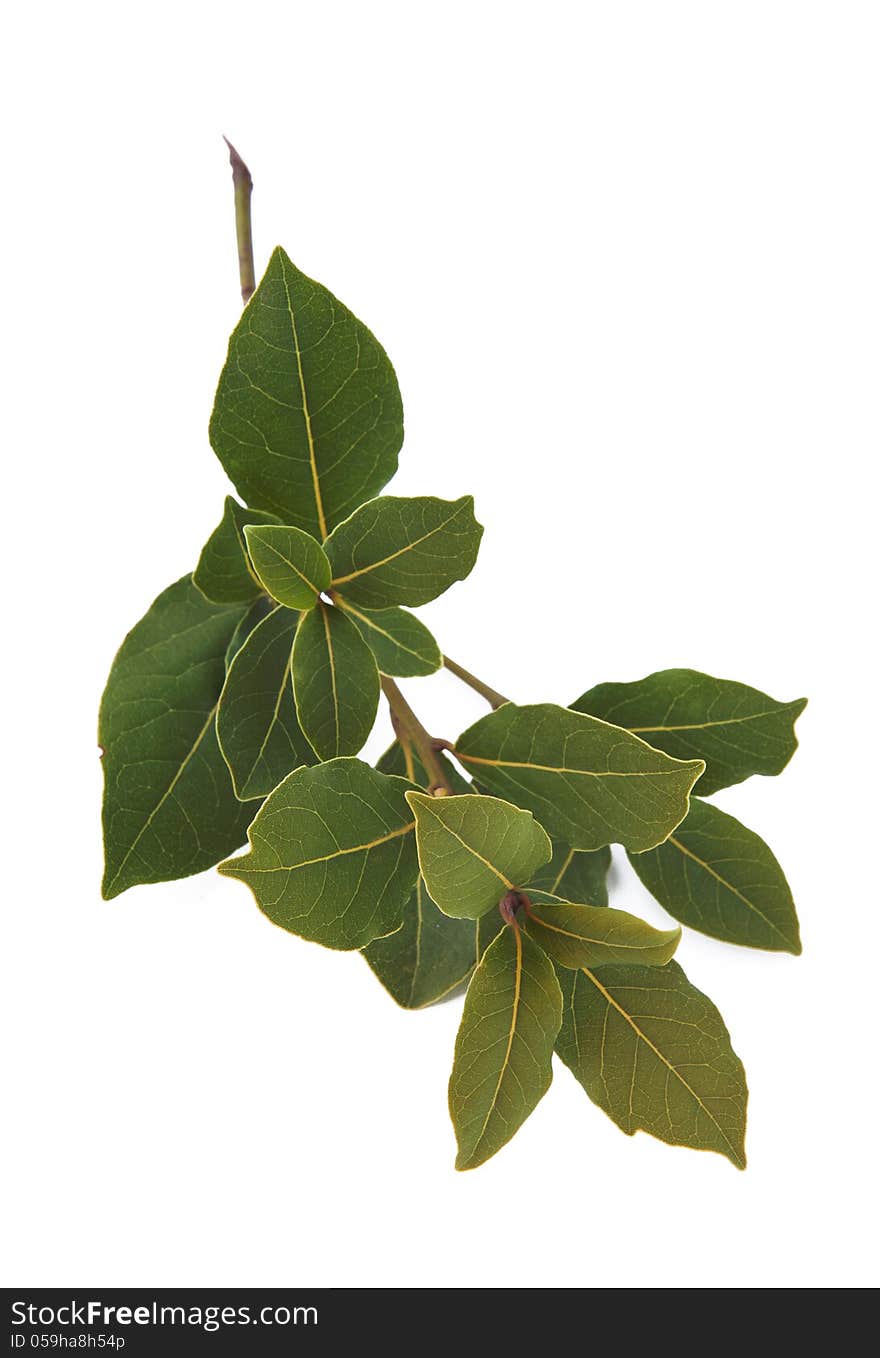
(243,185)
(410,731)
(492,696)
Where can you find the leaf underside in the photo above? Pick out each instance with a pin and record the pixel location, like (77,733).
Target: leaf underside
(259,735)
(502,1065)
(332,856)
(653,1052)
(575,874)
(307,419)
(223,573)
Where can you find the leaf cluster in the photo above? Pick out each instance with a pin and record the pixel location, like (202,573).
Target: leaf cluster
(238,705)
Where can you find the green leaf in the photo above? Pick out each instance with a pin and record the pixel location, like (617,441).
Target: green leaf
(290,564)
(653,1052)
(307,420)
(401,643)
(592,936)
(473,850)
(503,1051)
(332,855)
(590,783)
(224,572)
(717,876)
(575,874)
(403,551)
(259,734)
(736,730)
(335,683)
(169,807)
(431,957)
(259,609)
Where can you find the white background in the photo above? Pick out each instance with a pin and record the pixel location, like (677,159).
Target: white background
(624,258)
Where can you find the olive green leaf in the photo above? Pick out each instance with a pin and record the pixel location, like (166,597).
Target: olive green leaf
(332,856)
(335,683)
(594,935)
(575,874)
(259,609)
(653,1052)
(502,1066)
(473,850)
(736,730)
(259,734)
(401,643)
(403,551)
(590,783)
(290,564)
(307,420)
(431,957)
(224,572)
(717,876)
(169,807)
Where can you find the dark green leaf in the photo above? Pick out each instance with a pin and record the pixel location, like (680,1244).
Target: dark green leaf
(594,935)
(259,734)
(653,1052)
(736,730)
(169,807)
(503,1051)
(575,874)
(224,572)
(394,760)
(290,564)
(307,419)
(333,856)
(335,682)
(721,878)
(403,551)
(401,643)
(589,783)
(259,609)
(473,850)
